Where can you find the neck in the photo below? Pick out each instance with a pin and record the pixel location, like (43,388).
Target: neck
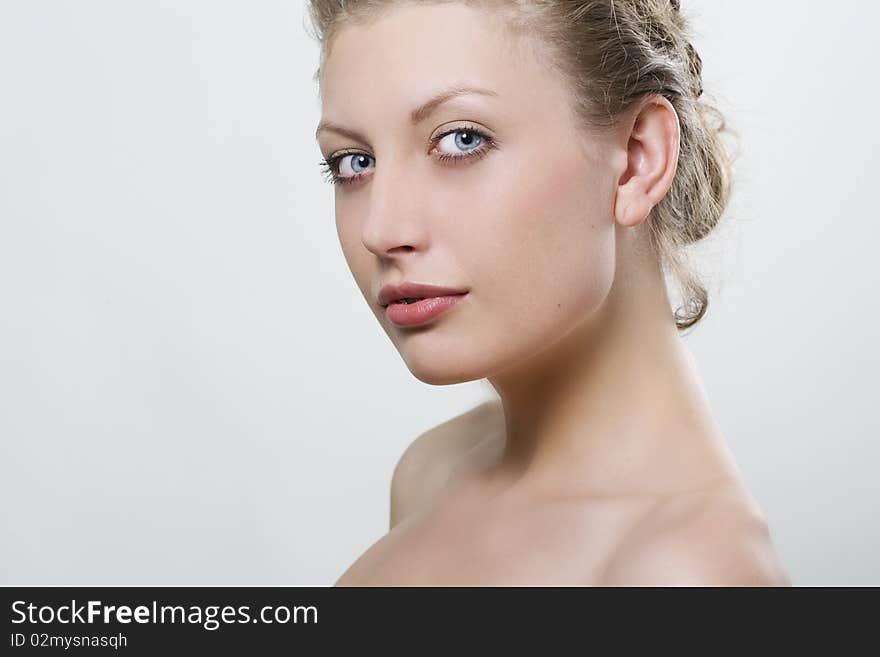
(615,406)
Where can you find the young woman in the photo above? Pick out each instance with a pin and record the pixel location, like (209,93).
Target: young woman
(514,181)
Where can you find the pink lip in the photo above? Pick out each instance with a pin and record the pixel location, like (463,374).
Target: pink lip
(391,293)
(421,312)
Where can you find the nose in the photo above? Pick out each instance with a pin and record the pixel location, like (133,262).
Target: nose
(394,220)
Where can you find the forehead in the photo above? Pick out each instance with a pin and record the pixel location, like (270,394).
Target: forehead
(384,67)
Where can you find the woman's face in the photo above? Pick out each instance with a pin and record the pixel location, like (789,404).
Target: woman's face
(523,220)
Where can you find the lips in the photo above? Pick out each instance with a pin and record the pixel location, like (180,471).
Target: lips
(411,292)
(419,313)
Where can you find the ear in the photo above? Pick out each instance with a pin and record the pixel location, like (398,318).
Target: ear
(652,147)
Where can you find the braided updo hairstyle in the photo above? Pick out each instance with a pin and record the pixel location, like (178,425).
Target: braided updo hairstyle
(614,53)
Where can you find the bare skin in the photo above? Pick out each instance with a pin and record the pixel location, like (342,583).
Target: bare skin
(600,462)
(452,524)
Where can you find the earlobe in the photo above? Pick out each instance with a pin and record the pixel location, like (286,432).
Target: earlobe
(631,208)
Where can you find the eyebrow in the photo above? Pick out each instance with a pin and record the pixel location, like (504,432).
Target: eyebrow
(418,115)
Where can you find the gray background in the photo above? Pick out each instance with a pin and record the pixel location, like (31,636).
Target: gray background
(193,391)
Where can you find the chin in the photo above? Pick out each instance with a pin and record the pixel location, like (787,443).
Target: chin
(442,368)
(446,373)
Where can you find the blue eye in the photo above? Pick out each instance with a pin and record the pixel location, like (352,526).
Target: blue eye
(464,143)
(358,164)
(466,140)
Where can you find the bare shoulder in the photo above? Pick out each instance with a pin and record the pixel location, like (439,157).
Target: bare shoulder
(716,538)
(426,464)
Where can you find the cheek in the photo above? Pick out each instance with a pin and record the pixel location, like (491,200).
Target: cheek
(547,245)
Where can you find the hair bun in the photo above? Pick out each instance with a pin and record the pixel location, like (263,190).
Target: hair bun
(696,65)
(694,60)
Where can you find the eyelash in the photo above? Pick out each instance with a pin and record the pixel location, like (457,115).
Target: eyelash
(330,169)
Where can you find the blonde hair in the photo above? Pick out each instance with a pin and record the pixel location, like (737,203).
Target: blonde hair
(615,53)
